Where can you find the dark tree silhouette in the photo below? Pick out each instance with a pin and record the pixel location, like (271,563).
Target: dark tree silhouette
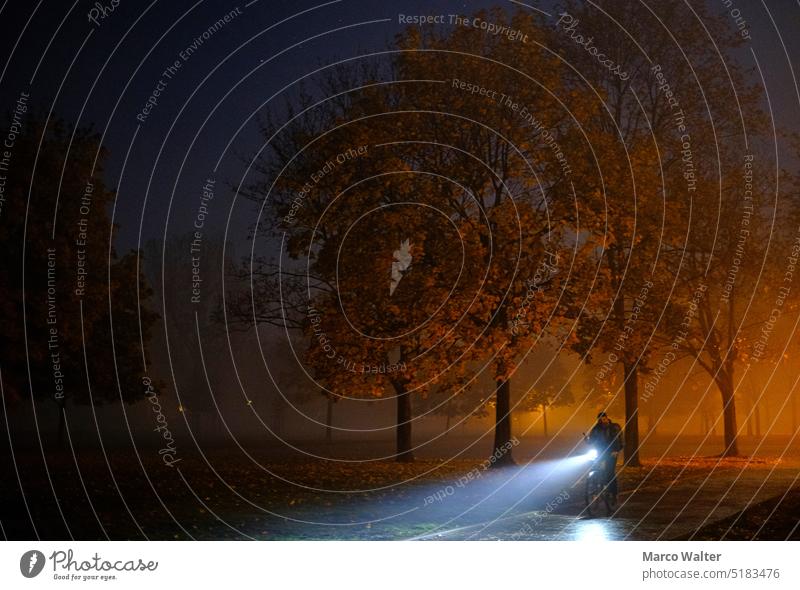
(75,315)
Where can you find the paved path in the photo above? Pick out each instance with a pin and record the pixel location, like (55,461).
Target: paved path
(647,513)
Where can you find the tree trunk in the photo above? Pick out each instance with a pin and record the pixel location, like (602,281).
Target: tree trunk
(631,449)
(544,419)
(447,424)
(757,418)
(404,452)
(502,429)
(725,385)
(630,372)
(329,421)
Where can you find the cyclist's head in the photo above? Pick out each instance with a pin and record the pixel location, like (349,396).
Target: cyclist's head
(603,418)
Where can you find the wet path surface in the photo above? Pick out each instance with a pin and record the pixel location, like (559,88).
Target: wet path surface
(666,499)
(648,513)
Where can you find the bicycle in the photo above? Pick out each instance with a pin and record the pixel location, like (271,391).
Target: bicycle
(597,493)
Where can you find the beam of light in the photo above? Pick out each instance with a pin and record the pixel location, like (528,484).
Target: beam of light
(455,507)
(577,460)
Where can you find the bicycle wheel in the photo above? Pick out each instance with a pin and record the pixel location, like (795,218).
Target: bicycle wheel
(609,501)
(592,494)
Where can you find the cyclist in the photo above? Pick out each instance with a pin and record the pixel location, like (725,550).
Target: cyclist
(606,437)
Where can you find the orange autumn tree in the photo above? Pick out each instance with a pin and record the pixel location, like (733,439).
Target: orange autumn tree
(493,163)
(377,317)
(497,122)
(381,332)
(669,121)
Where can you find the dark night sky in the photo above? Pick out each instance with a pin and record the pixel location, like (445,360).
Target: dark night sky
(139,40)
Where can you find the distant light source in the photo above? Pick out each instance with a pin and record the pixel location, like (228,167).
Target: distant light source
(591,455)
